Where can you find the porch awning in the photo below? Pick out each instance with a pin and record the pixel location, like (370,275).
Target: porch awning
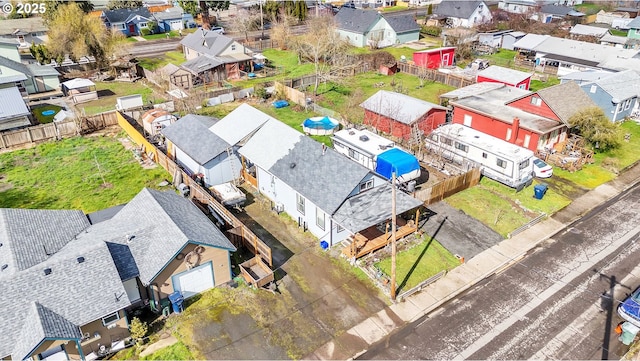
(372,207)
(200,64)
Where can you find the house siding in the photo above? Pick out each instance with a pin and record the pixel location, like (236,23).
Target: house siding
(220,262)
(70,348)
(221,169)
(107,335)
(633,34)
(542,110)
(355,39)
(234,48)
(427,123)
(408,37)
(605,102)
(433,60)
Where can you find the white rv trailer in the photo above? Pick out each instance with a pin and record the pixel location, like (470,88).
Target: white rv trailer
(499,160)
(364,147)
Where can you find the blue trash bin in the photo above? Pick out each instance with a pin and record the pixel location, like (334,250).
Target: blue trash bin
(176,299)
(539,190)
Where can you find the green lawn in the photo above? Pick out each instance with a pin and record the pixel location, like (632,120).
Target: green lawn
(173,57)
(502,208)
(418,263)
(43,119)
(503,58)
(593,7)
(293,116)
(539,84)
(177,351)
(618,32)
(172,34)
(89,174)
(109,91)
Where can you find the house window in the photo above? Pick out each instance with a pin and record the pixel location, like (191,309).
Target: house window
(320,218)
(527,140)
(508,134)
(446,141)
(300,203)
(142,25)
(339,229)
(593,89)
(107,320)
(233,47)
(467,120)
(119,26)
(462,147)
(366,185)
(536,101)
(522,86)
(484,155)
(627,104)
(501,163)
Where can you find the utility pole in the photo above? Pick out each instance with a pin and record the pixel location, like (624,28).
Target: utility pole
(393,236)
(261,20)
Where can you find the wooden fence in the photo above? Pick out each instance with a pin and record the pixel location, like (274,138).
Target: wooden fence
(259,45)
(448,187)
(239,233)
(435,75)
(290,93)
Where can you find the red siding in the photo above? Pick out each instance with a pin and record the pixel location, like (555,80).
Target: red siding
(433,60)
(496,128)
(526,82)
(430,121)
(542,109)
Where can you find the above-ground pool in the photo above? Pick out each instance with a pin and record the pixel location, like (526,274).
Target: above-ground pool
(48,112)
(320,125)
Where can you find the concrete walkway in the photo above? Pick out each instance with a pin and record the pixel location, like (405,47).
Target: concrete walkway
(162,343)
(356,341)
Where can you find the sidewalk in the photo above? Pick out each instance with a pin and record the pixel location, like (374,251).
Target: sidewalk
(357,340)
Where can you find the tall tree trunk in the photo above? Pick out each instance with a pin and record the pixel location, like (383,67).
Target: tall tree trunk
(204,11)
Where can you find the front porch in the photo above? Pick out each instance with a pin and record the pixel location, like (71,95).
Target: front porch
(376,237)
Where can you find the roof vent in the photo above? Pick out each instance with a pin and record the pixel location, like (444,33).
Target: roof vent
(364,138)
(351,132)
(129,237)
(4,266)
(80,259)
(292,165)
(47,271)
(476,136)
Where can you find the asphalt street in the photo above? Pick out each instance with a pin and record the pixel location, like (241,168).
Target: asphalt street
(556,303)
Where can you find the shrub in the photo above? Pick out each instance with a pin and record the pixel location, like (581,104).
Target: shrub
(138,329)
(145,32)
(431,30)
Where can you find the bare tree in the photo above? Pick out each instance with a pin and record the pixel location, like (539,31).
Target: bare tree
(323,47)
(245,21)
(281,29)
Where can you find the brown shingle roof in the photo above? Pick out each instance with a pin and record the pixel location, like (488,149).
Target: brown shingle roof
(566,99)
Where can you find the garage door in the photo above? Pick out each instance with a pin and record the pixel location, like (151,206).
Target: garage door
(194,281)
(175,24)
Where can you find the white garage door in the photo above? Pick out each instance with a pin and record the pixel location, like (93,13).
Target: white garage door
(176,24)
(194,281)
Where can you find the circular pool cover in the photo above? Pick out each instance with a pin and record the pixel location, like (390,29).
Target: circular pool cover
(48,112)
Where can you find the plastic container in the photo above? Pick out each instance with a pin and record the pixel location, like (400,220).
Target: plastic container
(539,190)
(176,299)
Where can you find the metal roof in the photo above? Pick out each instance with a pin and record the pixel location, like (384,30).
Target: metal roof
(529,41)
(399,107)
(270,143)
(192,136)
(580,29)
(373,144)
(240,123)
(471,90)
(78,83)
(11,105)
(506,75)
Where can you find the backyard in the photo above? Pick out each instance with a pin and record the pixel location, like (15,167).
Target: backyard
(108,92)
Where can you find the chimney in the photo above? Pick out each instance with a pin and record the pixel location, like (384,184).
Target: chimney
(514,130)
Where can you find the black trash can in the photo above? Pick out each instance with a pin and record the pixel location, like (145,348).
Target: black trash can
(539,190)
(176,299)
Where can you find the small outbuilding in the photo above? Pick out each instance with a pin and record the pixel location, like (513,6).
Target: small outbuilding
(435,58)
(155,120)
(510,77)
(80,90)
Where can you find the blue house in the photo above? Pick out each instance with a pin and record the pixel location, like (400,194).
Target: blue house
(617,94)
(130,22)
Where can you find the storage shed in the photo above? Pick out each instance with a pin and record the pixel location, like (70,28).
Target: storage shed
(155,120)
(510,77)
(435,58)
(80,90)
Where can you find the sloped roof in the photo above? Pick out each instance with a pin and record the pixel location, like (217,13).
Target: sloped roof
(325,179)
(42,70)
(530,41)
(634,24)
(125,15)
(402,24)
(201,63)
(78,83)
(558,10)
(193,137)
(206,42)
(580,29)
(356,20)
(456,8)
(399,107)
(372,207)
(586,76)
(621,86)
(502,74)
(12,106)
(240,123)
(168,14)
(29,25)
(581,51)
(30,69)
(471,90)
(270,143)
(565,99)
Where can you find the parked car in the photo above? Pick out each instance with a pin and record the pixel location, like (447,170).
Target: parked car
(629,310)
(218,29)
(541,169)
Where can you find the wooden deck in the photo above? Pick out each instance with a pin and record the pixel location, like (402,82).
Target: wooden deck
(371,239)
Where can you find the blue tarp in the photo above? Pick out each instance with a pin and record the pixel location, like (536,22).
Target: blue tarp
(320,123)
(280,104)
(396,160)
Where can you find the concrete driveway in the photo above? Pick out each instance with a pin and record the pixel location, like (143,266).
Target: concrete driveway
(458,232)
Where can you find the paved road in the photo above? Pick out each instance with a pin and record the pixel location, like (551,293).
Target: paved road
(550,305)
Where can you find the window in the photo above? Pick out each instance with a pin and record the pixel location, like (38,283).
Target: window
(352,153)
(467,120)
(627,104)
(508,134)
(593,89)
(320,218)
(339,229)
(536,101)
(142,25)
(233,46)
(446,141)
(107,320)
(434,137)
(527,140)
(300,203)
(484,155)
(501,163)
(522,86)
(462,147)
(119,26)
(366,185)
(524,165)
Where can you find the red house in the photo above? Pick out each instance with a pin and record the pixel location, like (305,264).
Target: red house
(510,77)
(396,114)
(485,110)
(435,58)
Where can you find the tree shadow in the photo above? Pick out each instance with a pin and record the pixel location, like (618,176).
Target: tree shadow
(424,250)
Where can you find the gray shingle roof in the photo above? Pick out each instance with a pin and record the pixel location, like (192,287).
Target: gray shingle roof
(326,180)
(73,294)
(372,207)
(462,9)
(124,15)
(240,123)
(400,107)
(622,85)
(566,99)
(634,24)
(193,137)
(556,10)
(159,216)
(207,42)
(169,14)
(402,24)
(201,63)
(356,20)
(31,236)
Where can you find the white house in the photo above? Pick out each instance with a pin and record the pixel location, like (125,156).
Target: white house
(371,28)
(460,13)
